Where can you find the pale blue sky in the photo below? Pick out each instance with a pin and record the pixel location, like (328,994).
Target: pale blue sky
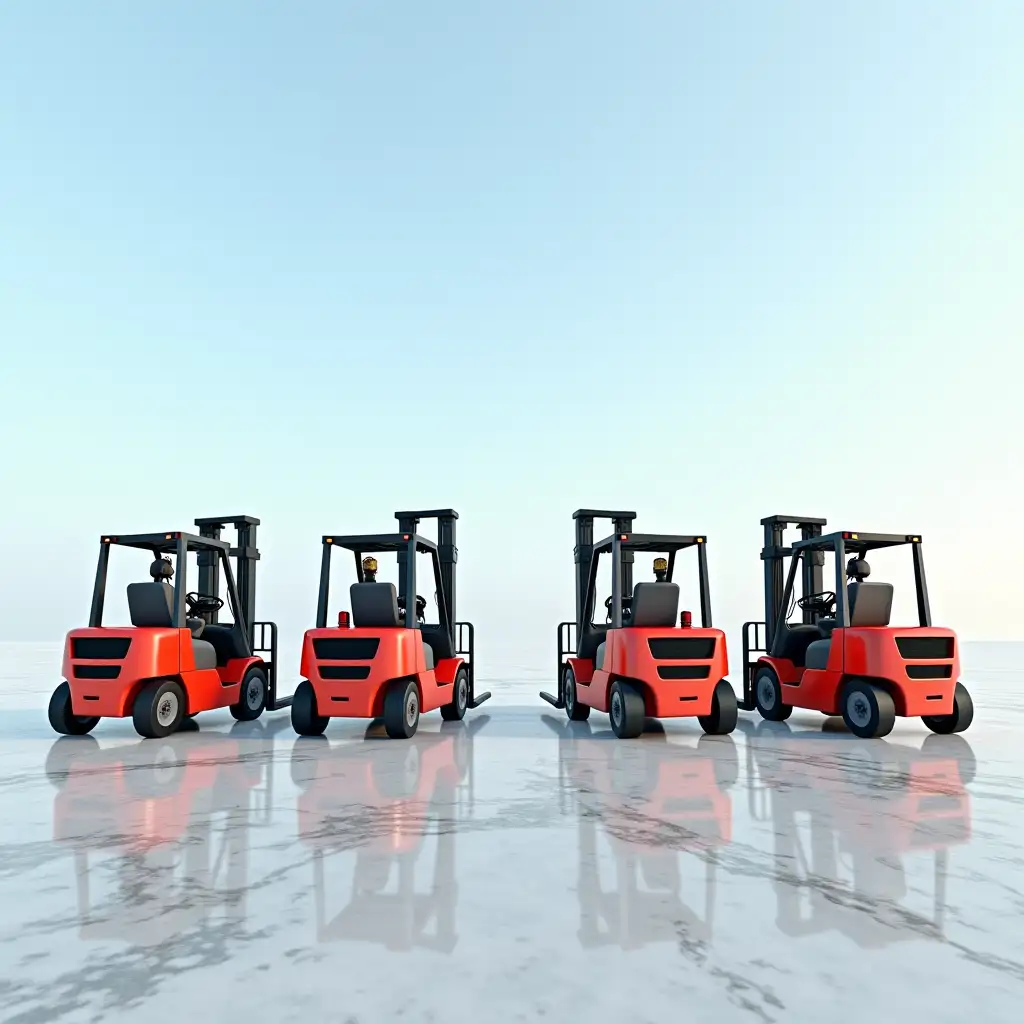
(317,261)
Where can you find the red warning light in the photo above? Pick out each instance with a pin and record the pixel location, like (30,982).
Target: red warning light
(686,620)
(343,620)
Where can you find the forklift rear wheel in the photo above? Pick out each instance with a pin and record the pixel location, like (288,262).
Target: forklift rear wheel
(306,720)
(868,710)
(959,719)
(768,696)
(63,719)
(252,696)
(401,709)
(456,710)
(576,712)
(159,709)
(626,710)
(724,711)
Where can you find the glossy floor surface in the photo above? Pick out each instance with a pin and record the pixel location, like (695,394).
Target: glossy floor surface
(511,868)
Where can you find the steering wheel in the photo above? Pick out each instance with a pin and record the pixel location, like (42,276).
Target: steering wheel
(823,602)
(421,606)
(203,603)
(626,602)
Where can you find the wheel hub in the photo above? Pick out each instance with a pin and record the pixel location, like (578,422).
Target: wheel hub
(254,694)
(858,709)
(411,707)
(766,694)
(463,693)
(166,709)
(616,707)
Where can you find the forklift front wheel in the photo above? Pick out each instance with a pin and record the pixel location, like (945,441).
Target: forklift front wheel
(959,719)
(868,710)
(401,709)
(159,709)
(306,720)
(724,711)
(626,710)
(768,696)
(576,712)
(252,696)
(63,719)
(456,710)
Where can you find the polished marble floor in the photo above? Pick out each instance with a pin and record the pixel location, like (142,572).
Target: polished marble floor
(513,868)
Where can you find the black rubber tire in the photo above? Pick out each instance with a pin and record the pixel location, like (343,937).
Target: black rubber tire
(574,710)
(63,719)
(69,754)
(776,711)
(724,711)
(960,718)
(724,757)
(455,711)
(251,704)
(152,711)
(401,709)
(940,746)
(868,710)
(626,710)
(306,719)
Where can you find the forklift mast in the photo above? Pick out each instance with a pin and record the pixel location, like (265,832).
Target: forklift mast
(773,555)
(622,522)
(447,556)
(245,554)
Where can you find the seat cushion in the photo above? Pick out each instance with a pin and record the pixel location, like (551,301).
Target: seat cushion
(205,654)
(817,654)
(599,657)
(826,626)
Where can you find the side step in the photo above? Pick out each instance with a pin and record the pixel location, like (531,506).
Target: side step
(477,701)
(553,701)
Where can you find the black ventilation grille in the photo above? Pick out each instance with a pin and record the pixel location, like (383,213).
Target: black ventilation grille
(929,671)
(344,671)
(935,648)
(672,648)
(684,671)
(97,671)
(353,648)
(100,648)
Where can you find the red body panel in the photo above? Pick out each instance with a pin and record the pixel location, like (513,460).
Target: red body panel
(628,656)
(871,653)
(154,653)
(400,655)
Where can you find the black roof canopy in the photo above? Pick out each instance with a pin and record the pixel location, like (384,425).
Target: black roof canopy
(856,541)
(167,542)
(650,542)
(379,542)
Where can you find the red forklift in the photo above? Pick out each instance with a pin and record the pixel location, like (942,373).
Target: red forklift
(675,800)
(844,657)
(382,659)
(176,659)
(398,803)
(640,662)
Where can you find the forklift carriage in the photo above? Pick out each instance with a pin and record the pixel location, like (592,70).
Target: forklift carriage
(176,659)
(844,657)
(642,662)
(382,659)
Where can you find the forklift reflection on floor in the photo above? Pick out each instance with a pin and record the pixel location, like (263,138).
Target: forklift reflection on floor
(178,813)
(382,801)
(841,838)
(653,800)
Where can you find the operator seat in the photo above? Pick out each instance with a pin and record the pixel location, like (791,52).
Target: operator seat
(151,606)
(870,606)
(654,606)
(375,606)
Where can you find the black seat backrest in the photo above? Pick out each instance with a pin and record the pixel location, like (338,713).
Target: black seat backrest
(151,604)
(792,642)
(654,605)
(374,605)
(227,642)
(870,603)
